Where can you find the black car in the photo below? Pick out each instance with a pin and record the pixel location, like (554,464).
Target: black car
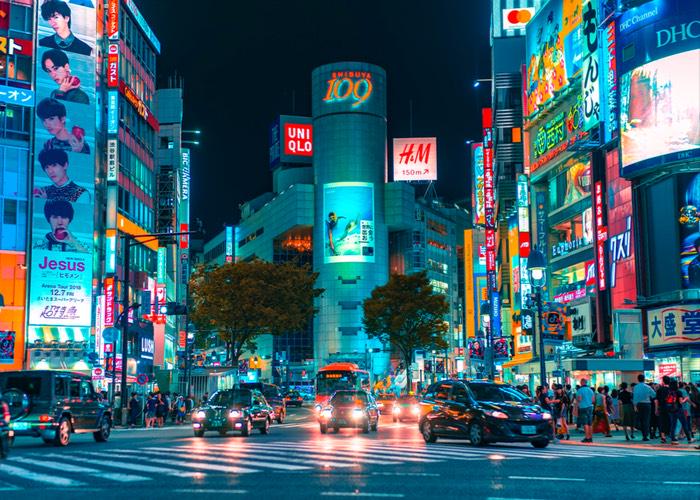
(273,396)
(293,398)
(353,409)
(483,412)
(53,404)
(240,410)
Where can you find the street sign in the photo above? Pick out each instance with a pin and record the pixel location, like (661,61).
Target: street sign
(109,335)
(109,348)
(98,373)
(142,379)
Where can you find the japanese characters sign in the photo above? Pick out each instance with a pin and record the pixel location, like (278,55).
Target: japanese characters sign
(673,325)
(12,95)
(591,74)
(12,46)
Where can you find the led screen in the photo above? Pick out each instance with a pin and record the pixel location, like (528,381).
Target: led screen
(689,220)
(659,111)
(348,208)
(64,167)
(478,183)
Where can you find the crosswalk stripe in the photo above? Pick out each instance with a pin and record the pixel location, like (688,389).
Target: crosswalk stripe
(274,457)
(38,477)
(192,465)
(124,465)
(66,467)
(355,452)
(318,455)
(202,455)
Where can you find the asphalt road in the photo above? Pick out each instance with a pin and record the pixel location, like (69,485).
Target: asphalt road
(296,462)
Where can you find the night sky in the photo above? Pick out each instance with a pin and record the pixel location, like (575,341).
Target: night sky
(243,63)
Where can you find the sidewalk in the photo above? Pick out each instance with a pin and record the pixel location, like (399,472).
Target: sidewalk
(618,440)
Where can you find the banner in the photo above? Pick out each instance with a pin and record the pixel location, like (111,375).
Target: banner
(348,208)
(673,325)
(64,167)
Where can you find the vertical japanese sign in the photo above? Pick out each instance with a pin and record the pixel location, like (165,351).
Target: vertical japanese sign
(601,236)
(113,65)
(113,19)
(478,183)
(108,311)
(229,243)
(64,168)
(610,71)
(523,238)
(590,77)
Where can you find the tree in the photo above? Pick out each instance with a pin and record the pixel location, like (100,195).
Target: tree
(243,300)
(408,314)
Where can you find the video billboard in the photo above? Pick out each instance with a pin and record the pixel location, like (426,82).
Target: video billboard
(689,221)
(553,52)
(64,167)
(415,159)
(348,208)
(478,184)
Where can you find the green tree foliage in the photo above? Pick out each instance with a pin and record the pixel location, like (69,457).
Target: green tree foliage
(243,300)
(408,314)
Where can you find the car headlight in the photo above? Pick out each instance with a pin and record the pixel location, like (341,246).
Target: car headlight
(546,416)
(495,414)
(201,414)
(357,413)
(327,413)
(318,408)
(397,409)
(234,414)
(415,409)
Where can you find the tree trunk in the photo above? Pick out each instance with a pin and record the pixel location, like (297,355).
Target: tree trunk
(409,381)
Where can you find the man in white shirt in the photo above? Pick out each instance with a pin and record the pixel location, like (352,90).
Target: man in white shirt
(642,395)
(585,396)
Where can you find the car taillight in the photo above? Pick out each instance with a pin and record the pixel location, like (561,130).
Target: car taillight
(45,418)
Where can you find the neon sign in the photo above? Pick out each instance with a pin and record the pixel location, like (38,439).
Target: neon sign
(349,85)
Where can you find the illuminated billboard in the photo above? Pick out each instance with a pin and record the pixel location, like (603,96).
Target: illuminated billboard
(348,87)
(478,183)
(291,140)
(64,167)
(553,52)
(415,159)
(348,208)
(659,112)
(689,221)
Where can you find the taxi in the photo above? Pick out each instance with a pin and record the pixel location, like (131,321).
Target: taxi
(406,408)
(385,402)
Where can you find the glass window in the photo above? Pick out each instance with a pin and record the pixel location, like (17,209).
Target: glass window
(75,388)
(459,393)
(86,390)
(9,212)
(60,390)
(443,392)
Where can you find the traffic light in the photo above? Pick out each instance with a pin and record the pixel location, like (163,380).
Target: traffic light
(173,309)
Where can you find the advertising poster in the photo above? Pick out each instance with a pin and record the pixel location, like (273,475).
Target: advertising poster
(348,208)
(478,183)
(660,109)
(7,347)
(675,325)
(689,221)
(476,349)
(578,177)
(415,159)
(553,52)
(64,167)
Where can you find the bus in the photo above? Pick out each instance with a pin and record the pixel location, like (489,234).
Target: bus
(337,376)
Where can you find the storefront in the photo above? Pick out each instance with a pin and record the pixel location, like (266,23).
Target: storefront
(674,341)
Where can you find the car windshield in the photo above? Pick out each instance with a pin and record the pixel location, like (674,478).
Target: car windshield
(497,393)
(293,394)
(349,398)
(29,385)
(407,400)
(271,392)
(229,398)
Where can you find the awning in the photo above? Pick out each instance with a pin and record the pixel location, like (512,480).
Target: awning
(518,360)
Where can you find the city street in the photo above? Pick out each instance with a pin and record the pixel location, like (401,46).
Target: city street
(296,461)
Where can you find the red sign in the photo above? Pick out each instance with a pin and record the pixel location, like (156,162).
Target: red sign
(184,238)
(490,249)
(566,297)
(113,65)
(113,19)
(109,301)
(590,273)
(524,245)
(668,370)
(602,235)
(109,348)
(182,339)
(140,107)
(4,16)
(298,139)
(12,46)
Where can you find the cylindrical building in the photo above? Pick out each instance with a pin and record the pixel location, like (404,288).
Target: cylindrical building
(350,234)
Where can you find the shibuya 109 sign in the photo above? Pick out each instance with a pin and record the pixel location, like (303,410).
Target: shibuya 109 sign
(349,86)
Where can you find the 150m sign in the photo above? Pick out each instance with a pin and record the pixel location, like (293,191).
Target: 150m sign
(355,86)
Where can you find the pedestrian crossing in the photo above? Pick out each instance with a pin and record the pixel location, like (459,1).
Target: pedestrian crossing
(195,459)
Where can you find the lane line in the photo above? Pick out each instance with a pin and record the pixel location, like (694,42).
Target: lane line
(362,452)
(360,494)
(529,478)
(200,491)
(355,458)
(411,474)
(65,467)
(38,477)
(682,482)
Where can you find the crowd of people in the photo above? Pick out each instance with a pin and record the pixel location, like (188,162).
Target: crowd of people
(668,411)
(158,408)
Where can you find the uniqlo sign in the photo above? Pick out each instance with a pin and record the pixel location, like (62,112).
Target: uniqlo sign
(113,65)
(109,301)
(298,139)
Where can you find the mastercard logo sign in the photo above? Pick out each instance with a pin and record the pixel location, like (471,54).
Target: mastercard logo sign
(514,19)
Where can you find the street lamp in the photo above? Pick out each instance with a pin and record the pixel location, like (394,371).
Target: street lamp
(536,267)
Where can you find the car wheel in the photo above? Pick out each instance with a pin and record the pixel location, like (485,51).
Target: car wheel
(426,431)
(280,419)
(62,437)
(374,426)
(365,427)
(540,443)
(265,429)
(102,434)
(199,433)
(324,428)
(476,434)
(245,430)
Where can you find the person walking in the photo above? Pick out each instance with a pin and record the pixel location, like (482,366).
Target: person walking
(626,410)
(674,407)
(615,408)
(151,405)
(584,397)
(161,409)
(663,399)
(686,408)
(642,399)
(561,410)
(543,399)
(181,409)
(694,395)
(601,422)
(134,410)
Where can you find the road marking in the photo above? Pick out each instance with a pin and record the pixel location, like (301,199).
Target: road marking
(358,452)
(321,460)
(125,465)
(41,478)
(412,474)
(682,482)
(231,492)
(192,465)
(64,467)
(528,478)
(205,455)
(360,494)
(304,451)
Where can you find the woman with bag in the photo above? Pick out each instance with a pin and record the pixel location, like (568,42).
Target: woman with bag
(601,423)
(674,406)
(561,409)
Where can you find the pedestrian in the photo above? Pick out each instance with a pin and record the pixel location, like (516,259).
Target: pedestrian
(181,410)
(694,395)
(686,408)
(204,400)
(134,410)
(626,410)
(663,399)
(614,409)
(570,398)
(642,397)
(584,397)
(560,411)
(151,405)
(601,421)
(161,409)
(674,407)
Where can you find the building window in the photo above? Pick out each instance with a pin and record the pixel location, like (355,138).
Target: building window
(9,212)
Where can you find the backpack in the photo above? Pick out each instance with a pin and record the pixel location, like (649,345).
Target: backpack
(672,401)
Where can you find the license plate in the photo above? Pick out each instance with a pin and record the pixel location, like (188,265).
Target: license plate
(21,426)
(529,429)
